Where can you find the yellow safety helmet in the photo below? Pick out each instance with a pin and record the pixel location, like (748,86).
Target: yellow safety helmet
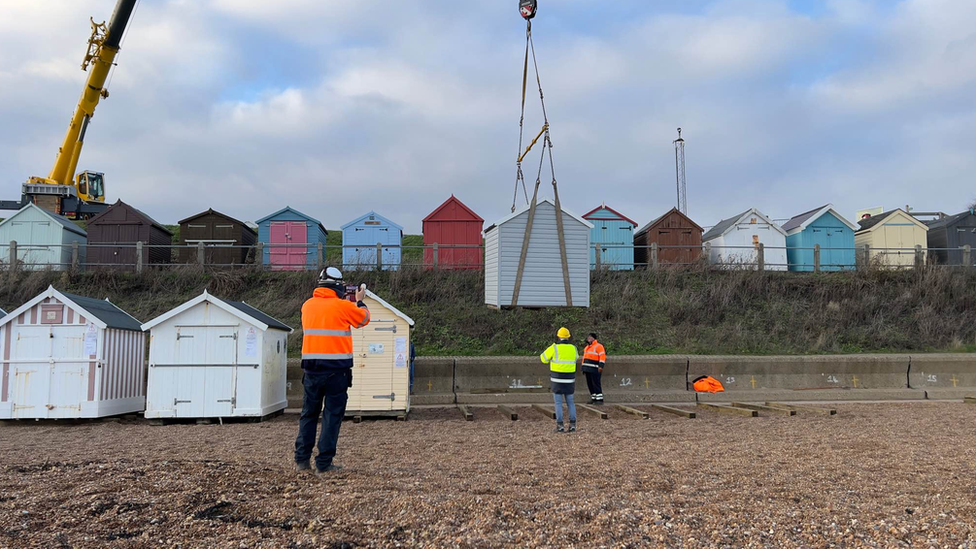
(563,333)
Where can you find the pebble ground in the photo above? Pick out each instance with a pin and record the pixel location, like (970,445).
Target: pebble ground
(875,475)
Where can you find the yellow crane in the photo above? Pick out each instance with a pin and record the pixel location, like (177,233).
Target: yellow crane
(83,195)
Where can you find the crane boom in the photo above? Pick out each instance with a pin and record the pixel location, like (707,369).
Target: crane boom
(103,46)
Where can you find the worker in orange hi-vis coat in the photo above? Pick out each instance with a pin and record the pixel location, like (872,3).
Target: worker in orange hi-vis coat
(594,360)
(327,323)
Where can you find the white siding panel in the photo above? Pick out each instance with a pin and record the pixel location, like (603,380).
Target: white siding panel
(542,280)
(735,248)
(491,267)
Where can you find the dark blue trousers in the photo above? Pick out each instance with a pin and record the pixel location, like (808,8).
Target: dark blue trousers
(330,388)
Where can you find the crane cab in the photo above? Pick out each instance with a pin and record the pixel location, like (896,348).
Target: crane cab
(91,186)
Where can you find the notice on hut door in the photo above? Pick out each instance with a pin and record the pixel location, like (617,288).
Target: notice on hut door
(91,340)
(400,348)
(251,343)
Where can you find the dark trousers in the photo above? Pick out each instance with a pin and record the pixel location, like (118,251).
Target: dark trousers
(411,377)
(330,387)
(594,382)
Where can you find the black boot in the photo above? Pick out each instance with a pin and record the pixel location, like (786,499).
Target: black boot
(560,428)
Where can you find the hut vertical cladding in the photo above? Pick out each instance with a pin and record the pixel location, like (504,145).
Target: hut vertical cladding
(947,237)
(68,356)
(679,240)
(381,354)
(613,234)
(823,227)
(291,240)
(228,240)
(892,237)
(113,234)
(456,230)
(735,242)
(361,236)
(44,240)
(216,358)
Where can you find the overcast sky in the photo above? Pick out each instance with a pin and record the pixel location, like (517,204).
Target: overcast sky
(336,108)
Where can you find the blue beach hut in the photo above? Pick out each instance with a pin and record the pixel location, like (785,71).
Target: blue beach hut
(614,233)
(283,234)
(829,229)
(360,237)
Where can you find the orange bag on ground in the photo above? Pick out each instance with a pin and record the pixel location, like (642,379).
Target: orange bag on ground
(708,384)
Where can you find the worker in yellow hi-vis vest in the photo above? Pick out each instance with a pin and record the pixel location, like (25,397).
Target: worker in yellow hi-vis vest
(561,357)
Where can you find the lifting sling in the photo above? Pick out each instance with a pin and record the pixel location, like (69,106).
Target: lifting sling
(527,8)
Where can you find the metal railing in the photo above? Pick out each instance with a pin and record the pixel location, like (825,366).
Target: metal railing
(139,257)
(773,258)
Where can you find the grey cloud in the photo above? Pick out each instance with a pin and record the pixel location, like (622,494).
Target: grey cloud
(404,104)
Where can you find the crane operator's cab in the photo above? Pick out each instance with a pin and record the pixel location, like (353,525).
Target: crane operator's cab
(84,199)
(91,186)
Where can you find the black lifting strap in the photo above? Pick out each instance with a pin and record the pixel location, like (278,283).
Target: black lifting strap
(520,178)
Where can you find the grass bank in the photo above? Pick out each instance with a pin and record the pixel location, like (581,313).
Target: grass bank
(690,311)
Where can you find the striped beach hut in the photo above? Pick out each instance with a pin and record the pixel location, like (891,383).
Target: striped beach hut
(68,356)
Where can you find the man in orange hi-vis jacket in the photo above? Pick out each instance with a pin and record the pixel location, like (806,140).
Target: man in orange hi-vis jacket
(594,360)
(327,323)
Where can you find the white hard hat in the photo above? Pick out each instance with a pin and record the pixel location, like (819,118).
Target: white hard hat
(330,274)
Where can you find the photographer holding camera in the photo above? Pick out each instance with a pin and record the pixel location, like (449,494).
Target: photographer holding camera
(327,323)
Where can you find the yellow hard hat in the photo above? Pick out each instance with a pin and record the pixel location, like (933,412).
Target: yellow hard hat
(563,333)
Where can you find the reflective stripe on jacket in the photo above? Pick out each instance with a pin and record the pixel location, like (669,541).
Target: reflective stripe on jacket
(561,358)
(594,357)
(327,324)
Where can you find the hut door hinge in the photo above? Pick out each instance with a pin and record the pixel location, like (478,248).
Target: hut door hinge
(391,397)
(390,329)
(177,401)
(232,400)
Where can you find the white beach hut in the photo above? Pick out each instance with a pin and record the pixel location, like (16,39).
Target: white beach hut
(211,357)
(734,242)
(542,283)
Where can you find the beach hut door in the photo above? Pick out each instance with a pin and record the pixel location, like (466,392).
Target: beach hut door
(287,250)
(221,376)
(69,372)
(30,374)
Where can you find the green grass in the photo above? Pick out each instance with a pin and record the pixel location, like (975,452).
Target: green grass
(693,312)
